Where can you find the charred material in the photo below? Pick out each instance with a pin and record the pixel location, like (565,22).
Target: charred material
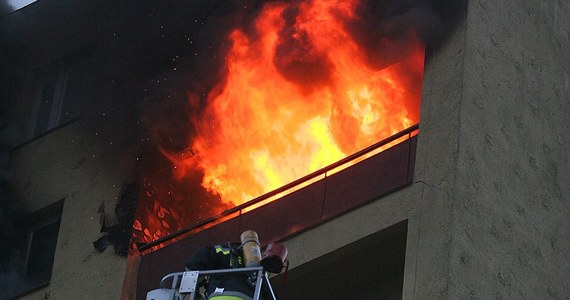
(118,226)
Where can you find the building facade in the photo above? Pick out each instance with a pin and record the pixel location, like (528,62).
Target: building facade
(485,214)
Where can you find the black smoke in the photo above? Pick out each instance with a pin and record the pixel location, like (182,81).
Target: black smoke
(193,39)
(388,29)
(296,58)
(11,74)
(177,47)
(12,233)
(12,224)
(5,8)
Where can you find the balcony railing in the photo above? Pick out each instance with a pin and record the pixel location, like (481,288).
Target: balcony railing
(301,205)
(289,188)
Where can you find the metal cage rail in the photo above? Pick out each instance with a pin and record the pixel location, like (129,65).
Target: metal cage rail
(184,285)
(408,132)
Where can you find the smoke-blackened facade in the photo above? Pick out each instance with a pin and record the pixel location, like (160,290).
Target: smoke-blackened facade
(151,79)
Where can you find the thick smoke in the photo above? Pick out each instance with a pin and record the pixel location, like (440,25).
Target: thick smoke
(296,58)
(188,43)
(179,48)
(388,29)
(12,233)
(5,8)
(10,68)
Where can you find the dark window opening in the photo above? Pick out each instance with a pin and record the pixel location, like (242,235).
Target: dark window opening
(35,262)
(78,88)
(43,230)
(45,106)
(41,252)
(64,91)
(371,268)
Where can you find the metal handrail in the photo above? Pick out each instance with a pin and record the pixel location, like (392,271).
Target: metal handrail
(408,131)
(175,275)
(190,287)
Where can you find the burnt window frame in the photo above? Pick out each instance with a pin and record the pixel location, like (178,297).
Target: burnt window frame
(49,102)
(51,91)
(48,217)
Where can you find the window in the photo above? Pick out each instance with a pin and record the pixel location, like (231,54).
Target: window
(370,268)
(50,103)
(62,96)
(42,240)
(37,260)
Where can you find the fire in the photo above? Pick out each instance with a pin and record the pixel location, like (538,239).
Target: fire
(299,94)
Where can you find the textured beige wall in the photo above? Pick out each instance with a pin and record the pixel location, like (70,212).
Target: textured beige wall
(511,230)
(487,213)
(488,210)
(86,163)
(426,204)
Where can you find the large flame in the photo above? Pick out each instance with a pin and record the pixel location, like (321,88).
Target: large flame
(298,95)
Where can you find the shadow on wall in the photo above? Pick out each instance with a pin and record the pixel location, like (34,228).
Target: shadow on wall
(371,268)
(12,233)
(5,8)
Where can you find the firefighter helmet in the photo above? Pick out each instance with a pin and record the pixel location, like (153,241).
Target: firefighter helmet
(274,257)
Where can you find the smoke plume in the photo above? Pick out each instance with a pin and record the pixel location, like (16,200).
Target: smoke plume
(13,234)
(387,29)
(5,8)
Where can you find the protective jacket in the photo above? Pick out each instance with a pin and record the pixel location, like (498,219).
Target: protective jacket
(222,286)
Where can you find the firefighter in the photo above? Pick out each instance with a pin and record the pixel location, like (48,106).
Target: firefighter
(236,286)
(232,286)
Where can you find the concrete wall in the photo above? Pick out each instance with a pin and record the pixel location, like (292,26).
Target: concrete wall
(86,163)
(511,225)
(340,275)
(427,203)
(487,213)
(488,210)
(79,164)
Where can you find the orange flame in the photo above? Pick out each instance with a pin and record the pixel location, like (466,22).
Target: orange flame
(297,97)
(299,94)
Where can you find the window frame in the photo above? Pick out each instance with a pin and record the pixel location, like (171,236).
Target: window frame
(36,221)
(58,70)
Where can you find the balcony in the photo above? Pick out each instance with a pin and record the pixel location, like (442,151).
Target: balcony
(296,207)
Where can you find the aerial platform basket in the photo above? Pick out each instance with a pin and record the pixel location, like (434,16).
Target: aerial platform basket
(185,284)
